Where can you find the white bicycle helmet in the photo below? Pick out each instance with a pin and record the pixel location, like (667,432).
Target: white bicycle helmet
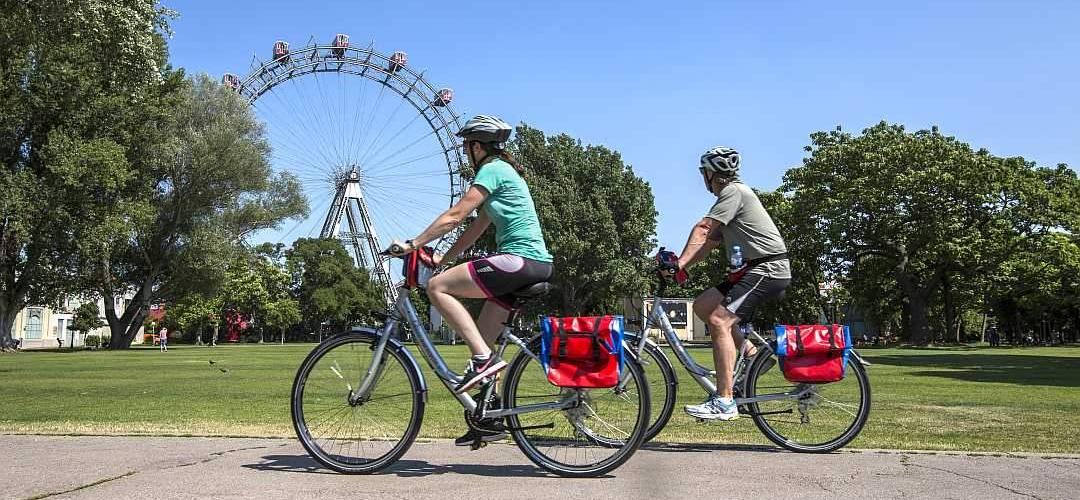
(487,129)
(722,161)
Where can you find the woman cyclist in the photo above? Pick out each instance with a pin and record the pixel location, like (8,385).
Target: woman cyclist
(522,259)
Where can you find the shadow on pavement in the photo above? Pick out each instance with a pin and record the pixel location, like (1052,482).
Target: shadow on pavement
(401,468)
(704,447)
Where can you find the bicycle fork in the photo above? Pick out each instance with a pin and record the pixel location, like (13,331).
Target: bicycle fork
(374,372)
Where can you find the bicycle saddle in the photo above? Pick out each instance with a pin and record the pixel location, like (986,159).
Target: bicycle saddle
(532,291)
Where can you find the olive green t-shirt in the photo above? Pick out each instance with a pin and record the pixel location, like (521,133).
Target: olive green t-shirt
(744,222)
(510,207)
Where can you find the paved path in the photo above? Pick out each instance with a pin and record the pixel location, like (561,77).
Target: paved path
(133,467)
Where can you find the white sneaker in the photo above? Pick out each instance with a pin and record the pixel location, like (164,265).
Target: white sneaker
(715,408)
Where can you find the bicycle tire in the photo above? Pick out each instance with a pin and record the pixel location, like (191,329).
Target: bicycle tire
(524,363)
(393,354)
(854,370)
(661,408)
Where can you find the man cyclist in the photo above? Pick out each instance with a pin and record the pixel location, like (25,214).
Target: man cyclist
(737,218)
(503,198)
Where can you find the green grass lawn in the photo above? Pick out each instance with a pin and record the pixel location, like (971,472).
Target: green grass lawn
(939,399)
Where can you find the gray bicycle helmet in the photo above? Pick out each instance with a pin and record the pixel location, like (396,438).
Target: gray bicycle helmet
(722,161)
(488,129)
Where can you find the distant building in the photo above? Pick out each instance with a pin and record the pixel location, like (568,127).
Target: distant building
(680,313)
(39,327)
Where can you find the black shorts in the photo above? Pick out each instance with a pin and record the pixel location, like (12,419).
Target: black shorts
(745,295)
(502,274)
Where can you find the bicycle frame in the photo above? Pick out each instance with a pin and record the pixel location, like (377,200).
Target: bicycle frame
(700,374)
(405,310)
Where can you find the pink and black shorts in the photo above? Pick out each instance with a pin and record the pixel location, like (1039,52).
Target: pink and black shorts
(502,274)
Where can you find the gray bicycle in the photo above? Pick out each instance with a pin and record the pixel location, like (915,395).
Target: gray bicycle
(358,400)
(809,418)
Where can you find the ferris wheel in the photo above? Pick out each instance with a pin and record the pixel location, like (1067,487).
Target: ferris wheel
(370,138)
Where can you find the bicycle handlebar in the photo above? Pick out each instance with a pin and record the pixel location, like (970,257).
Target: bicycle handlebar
(394,250)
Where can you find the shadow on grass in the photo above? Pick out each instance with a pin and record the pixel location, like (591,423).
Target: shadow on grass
(401,468)
(1058,371)
(980,348)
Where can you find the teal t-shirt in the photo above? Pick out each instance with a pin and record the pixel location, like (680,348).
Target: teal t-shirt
(510,207)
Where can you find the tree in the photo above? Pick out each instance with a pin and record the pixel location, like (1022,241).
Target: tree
(327,286)
(922,207)
(597,216)
(1039,290)
(87,318)
(282,314)
(281,311)
(245,292)
(211,186)
(82,85)
(194,312)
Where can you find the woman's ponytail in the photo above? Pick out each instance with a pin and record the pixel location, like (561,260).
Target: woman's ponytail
(504,155)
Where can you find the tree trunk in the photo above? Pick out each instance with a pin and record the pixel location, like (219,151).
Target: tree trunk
(567,299)
(916,310)
(982,328)
(950,309)
(1017,332)
(7,323)
(920,317)
(124,328)
(1076,326)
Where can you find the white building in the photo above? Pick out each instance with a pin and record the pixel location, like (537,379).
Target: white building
(680,312)
(39,327)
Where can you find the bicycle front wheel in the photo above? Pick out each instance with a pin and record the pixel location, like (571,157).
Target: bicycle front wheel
(823,419)
(595,435)
(663,386)
(356,435)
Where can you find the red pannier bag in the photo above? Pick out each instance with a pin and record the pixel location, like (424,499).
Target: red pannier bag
(813,354)
(582,352)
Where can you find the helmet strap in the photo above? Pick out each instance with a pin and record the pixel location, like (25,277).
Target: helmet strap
(479,162)
(709,176)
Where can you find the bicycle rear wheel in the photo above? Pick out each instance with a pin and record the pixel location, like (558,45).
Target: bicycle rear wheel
(594,436)
(824,419)
(356,437)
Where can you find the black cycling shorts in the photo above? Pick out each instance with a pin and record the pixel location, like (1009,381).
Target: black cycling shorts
(502,274)
(745,295)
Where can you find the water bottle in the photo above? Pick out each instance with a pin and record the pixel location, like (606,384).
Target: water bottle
(736,257)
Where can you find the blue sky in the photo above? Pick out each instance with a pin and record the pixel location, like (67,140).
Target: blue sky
(662,81)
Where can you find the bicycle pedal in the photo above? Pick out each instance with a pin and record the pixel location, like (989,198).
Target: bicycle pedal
(477,445)
(701,420)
